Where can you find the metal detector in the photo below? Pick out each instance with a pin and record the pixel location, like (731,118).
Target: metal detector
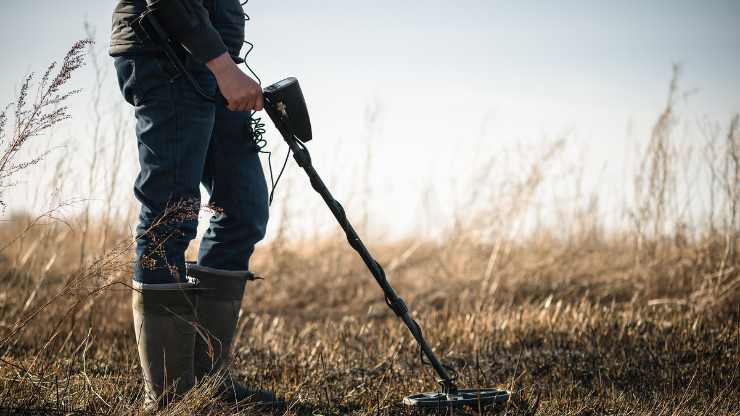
(286,107)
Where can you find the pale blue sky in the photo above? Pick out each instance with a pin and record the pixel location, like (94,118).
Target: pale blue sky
(453,80)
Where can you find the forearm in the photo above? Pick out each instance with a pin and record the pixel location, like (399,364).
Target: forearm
(222,65)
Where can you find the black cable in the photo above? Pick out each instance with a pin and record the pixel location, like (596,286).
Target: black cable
(258,130)
(275,184)
(258,127)
(249,44)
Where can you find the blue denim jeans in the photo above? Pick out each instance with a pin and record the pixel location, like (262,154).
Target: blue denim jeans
(184,141)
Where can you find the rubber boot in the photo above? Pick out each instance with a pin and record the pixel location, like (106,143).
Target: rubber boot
(219,296)
(164,317)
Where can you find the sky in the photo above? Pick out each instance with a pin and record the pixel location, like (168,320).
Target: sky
(432,89)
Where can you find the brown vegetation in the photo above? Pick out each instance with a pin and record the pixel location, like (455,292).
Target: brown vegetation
(641,320)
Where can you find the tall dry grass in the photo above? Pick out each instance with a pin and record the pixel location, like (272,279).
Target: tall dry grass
(575,317)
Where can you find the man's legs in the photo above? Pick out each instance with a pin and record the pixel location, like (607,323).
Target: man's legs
(233,176)
(234,179)
(173,128)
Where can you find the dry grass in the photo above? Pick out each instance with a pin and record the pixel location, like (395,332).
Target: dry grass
(578,329)
(637,321)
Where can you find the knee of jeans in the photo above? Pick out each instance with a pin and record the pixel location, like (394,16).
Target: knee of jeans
(167,231)
(169,212)
(249,223)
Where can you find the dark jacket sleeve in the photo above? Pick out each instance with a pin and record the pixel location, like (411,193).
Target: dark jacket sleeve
(187,22)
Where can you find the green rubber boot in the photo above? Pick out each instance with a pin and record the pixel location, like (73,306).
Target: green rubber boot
(164,317)
(219,296)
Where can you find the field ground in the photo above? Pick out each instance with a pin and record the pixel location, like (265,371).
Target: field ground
(572,327)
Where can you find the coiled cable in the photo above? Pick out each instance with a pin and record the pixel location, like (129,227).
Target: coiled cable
(256,124)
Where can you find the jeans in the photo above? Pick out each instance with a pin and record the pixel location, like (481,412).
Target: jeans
(184,141)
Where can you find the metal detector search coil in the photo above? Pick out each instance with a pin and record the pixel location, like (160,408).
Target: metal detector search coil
(286,106)
(463,397)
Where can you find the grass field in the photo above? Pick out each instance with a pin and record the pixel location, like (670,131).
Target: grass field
(571,327)
(593,320)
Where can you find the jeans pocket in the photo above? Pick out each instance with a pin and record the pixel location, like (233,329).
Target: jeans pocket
(152,83)
(124,72)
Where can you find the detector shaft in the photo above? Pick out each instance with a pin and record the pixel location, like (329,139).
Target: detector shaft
(303,158)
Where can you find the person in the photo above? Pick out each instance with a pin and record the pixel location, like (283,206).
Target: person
(185,315)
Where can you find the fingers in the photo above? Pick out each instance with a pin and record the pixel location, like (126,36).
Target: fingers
(247,103)
(252,101)
(237,105)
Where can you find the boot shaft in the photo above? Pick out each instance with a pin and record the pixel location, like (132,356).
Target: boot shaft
(165,328)
(219,296)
